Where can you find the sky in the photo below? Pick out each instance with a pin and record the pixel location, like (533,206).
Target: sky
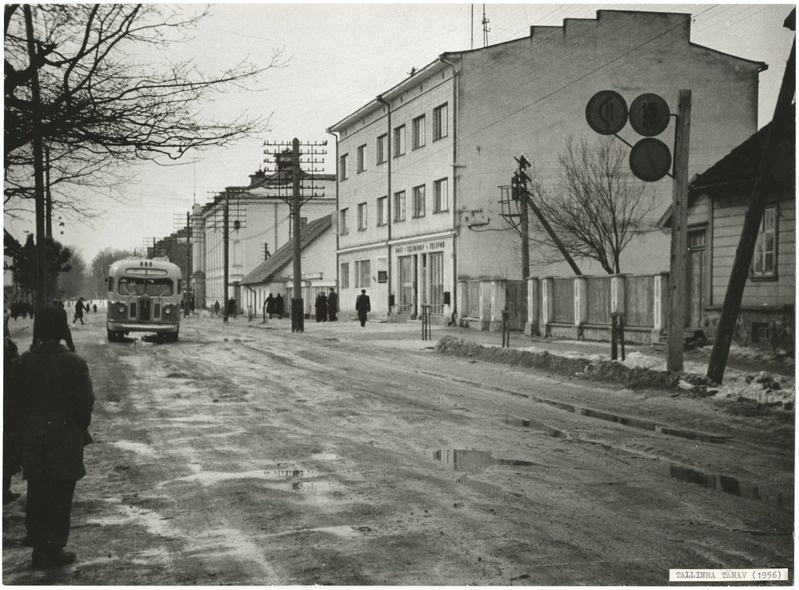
(341,56)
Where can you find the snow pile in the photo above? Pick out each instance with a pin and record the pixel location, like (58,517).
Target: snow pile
(637,371)
(762,387)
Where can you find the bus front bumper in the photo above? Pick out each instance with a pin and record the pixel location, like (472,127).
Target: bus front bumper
(127,327)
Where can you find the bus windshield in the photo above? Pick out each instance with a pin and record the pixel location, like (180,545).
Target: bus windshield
(141,286)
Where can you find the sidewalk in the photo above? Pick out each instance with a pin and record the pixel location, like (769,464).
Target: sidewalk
(409,336)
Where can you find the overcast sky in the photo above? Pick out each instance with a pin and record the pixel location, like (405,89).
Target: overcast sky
(342,56)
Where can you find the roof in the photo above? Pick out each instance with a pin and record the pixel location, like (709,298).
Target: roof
(264,272)
(739,167)
(441,62)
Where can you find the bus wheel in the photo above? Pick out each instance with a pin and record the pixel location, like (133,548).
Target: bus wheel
(172,337)
(112,336)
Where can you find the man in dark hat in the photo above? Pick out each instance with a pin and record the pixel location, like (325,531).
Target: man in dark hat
(53,391)
(363,306)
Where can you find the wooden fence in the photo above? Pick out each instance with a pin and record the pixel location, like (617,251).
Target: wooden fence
(578,307)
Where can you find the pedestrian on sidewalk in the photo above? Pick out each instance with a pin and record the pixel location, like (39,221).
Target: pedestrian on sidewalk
(363,306)
(270,306)
(53,390)
(280,307)
(79,307)
(321,307)
(332,305)
(216,307)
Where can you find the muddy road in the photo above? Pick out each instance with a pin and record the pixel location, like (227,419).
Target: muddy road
(245,454)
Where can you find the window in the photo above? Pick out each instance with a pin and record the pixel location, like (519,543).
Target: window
(399,206)
(440,122)
(362,274)
(345,275)
(399,141)
(342,222)
(382,156)
(360,163)
(764,260)
(418,132)
(382,211)
(418,201)
(361,216)
(342,167)
(440,196)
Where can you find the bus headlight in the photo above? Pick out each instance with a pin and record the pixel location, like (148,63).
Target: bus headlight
(121,309)
(167,310)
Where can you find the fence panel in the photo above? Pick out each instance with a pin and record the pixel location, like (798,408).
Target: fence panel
(598,289)
(516,300)
(563,296)
(640,301)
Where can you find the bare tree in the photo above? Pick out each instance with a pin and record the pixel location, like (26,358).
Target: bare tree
(598,206)
(102,107)
(96,283)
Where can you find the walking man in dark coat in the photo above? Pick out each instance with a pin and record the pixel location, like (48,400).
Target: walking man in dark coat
(332,305)
(321,307)
(363,306)
(270,306)
(53,390)
(280,308)
(79,307)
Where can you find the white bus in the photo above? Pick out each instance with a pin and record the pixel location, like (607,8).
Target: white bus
(144,296)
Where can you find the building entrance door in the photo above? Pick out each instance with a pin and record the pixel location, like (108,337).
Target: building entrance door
(407,280)
(695,274)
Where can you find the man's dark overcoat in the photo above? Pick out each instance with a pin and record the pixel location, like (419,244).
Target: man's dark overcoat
(55,398)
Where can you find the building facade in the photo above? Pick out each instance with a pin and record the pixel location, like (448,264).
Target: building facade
(259,218)
(718,201)
(420,166)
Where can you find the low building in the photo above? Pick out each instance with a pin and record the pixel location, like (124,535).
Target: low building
(276,274)
(718,201)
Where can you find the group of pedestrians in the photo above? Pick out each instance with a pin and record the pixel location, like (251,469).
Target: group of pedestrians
(326,306)
(47,408)
(274,306)
(21,308)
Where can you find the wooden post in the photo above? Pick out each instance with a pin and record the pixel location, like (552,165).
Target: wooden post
(297,309)
(751,227)
(552,235)
(225,255)
(679,234)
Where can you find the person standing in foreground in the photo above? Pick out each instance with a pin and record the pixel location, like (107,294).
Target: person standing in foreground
(53,391)
(363,306)
(10,416)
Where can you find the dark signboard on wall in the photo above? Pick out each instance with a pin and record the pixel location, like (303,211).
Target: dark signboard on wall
(382,276)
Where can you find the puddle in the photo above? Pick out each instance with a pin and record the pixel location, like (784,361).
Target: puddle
(728,485)
(293,480)
(473,461)
(629,421)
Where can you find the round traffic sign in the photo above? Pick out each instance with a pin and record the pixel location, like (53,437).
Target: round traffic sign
(649,115)
(606,112)
(650,159)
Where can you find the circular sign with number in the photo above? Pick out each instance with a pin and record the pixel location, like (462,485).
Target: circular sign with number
(606,112)
(649,115)
(650,159)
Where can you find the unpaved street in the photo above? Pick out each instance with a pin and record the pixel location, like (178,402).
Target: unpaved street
(245,454)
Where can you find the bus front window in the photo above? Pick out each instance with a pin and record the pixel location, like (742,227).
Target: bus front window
(139,286)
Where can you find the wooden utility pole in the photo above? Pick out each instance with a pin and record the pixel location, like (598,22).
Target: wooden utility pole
(751,227)
(38,164)
(679,234)
(225,254)
(297,309)
(48,219)
(187,282)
